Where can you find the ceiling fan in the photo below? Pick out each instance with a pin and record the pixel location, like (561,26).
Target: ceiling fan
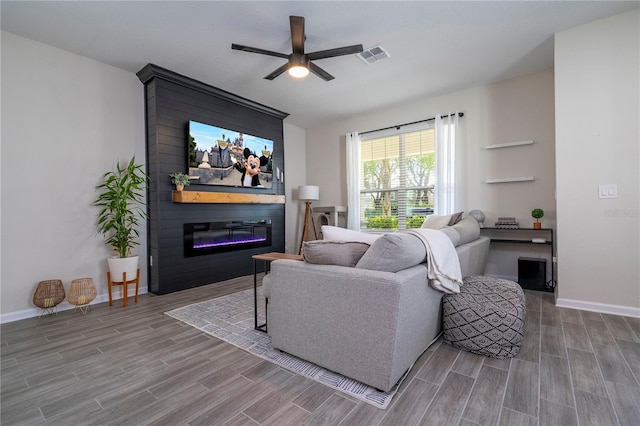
(299,63)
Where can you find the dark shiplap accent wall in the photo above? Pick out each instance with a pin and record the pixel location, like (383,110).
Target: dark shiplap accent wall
(171,101)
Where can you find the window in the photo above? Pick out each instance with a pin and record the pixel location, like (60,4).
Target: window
(397,177)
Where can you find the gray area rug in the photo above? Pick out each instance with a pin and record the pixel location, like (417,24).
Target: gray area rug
(230,318)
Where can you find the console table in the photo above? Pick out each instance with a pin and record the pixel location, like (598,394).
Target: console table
(523,236)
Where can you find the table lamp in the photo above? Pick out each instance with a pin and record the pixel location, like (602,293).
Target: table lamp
(308,193)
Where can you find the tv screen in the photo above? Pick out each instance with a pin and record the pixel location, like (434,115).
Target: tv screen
(219,156)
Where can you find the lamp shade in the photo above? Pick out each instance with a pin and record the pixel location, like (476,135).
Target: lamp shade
(308,193)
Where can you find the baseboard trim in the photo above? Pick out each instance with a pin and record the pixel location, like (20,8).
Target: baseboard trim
(603,308)
(64,306)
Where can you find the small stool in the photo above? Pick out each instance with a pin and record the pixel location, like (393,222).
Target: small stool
(486,317)
(124,283)
(81,294)
(48,295)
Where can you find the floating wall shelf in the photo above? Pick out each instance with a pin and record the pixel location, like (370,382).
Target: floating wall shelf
(508,144)
(511,179)
(225,197)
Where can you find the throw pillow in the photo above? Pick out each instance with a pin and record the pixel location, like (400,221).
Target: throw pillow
(468,228)
(342,253)
(455,218)
(393,252)
(436,221)
(335,233)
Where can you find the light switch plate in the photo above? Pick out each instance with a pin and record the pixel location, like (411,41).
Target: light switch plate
(608,191)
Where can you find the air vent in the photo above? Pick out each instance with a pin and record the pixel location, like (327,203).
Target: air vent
(374,54)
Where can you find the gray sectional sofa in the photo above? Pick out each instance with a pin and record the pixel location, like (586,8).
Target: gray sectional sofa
(367,324)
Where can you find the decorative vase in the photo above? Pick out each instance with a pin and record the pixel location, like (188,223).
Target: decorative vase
(537,225)
(179,187)
(119,265)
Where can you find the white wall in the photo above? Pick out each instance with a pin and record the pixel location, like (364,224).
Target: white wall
(296,174)
(513,110)
(66,120)
(597,142)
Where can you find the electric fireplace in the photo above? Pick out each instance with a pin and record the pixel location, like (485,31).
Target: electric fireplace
(217,237)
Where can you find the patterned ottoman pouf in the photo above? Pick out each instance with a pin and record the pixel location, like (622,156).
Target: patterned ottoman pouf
(486,317)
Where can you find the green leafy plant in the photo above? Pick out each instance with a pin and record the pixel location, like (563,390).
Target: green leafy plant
(537,214)
(180,179)
(383,222)
(121,204)
(415,221)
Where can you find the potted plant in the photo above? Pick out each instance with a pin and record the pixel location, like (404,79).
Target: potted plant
(121,203)
(537,215)
(180,180)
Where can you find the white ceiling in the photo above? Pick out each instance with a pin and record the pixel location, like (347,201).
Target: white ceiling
(436,46)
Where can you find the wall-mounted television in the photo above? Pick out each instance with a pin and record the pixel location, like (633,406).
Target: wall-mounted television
(219,156)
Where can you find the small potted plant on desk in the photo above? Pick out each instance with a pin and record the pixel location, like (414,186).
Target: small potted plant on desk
(180,180)
(537,215)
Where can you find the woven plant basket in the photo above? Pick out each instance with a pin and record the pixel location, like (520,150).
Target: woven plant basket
(48,295)
(82,292)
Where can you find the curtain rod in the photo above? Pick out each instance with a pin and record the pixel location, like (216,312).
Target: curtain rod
(398,126)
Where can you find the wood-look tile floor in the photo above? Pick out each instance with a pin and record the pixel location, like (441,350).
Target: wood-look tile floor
(138,366)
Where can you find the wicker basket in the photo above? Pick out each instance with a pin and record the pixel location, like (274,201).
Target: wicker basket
(82,293)
(48,295)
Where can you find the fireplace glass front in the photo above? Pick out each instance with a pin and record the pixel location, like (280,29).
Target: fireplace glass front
(218,237)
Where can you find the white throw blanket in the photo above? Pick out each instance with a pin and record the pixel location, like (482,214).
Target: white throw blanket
(442,260)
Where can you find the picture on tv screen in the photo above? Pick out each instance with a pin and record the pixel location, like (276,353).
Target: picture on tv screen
(226,157)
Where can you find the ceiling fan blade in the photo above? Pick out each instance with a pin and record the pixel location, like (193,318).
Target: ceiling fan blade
(297,34)
(277,72)
(258,50)
(330,53)
(320,72)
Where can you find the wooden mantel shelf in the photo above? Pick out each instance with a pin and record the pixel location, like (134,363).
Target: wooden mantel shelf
(226,197)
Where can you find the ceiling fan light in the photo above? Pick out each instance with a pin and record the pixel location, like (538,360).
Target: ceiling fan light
(298,71)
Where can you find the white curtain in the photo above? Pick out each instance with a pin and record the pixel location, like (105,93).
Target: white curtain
(353,181)
(445,189)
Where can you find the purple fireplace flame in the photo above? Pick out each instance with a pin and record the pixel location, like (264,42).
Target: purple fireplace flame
(218,237)
(206,244)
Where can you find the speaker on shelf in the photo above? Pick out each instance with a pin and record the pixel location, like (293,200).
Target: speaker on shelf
(532,273)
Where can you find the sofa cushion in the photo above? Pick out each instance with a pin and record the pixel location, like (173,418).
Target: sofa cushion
(469,230)
(335,233)
(453,235)
(393,252)
(463,232)
(341,253)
